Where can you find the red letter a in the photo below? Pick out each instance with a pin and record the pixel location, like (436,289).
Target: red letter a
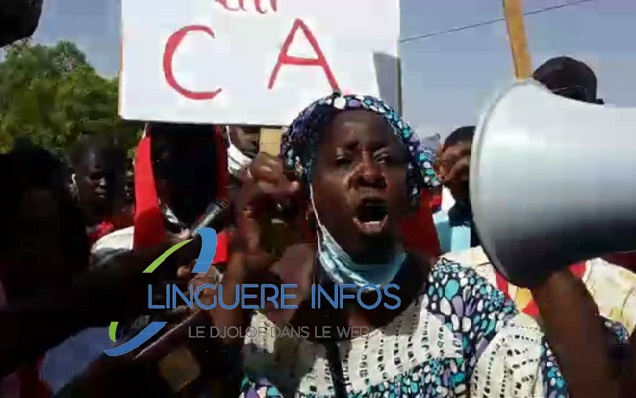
(285,59)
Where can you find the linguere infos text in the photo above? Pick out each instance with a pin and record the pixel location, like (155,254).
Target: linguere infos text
(257,296)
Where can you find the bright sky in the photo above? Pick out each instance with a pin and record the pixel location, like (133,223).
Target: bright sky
(447,78)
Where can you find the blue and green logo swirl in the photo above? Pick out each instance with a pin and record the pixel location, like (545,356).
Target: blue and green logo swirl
(204,261)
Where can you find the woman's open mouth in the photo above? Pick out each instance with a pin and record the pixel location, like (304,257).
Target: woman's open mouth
(371,216)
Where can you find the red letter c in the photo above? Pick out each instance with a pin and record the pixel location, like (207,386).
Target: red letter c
(171,46)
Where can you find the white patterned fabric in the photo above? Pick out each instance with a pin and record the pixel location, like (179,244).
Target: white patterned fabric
(614,290)
(612,287)
(461,337)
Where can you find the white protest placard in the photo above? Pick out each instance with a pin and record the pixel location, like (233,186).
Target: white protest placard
(253,61)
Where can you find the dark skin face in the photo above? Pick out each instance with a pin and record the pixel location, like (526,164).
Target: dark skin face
(100,180)
(359,158)
(360,174)
(186,176)
(453,169)
(246,139)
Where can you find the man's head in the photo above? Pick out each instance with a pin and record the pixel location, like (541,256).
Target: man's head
(184,158)
(246,139)
(100,168)
(568,78)
(454,162)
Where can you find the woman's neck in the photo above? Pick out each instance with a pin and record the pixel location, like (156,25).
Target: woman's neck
(410,279)
(377,251)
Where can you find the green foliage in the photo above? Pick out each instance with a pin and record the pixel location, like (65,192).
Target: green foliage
(52,96)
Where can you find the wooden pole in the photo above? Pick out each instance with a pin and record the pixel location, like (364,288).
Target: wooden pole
(513,12)
(270,140)
(399,87)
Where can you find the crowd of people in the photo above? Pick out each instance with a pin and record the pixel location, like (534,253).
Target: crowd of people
(360,200)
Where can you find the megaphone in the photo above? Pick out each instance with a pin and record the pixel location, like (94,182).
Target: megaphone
(551,182)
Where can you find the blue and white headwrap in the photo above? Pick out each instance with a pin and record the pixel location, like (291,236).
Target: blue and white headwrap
(298,147)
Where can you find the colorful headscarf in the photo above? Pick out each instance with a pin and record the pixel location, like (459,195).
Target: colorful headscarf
(298,147)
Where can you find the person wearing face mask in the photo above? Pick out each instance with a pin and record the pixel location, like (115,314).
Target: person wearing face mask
(350,173)
(182,169)
(455,225)
(236,160)
(243,146)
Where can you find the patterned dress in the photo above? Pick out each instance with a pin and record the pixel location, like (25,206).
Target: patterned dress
(612,287)
(461,338)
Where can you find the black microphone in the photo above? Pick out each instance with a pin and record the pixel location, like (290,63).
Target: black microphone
(215,216)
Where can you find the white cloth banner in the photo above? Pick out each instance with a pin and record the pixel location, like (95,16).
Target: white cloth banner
(253,61)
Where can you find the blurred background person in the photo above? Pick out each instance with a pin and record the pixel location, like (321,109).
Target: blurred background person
(454,225)
(99,166)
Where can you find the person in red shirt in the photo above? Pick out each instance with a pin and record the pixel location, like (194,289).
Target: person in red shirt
(99,166)
(180,169)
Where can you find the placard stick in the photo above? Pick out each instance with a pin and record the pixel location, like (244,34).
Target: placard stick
(120,72)
(513,12)
(399,87)
(269,141)
(274,231)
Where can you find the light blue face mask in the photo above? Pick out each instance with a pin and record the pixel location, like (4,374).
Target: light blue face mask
(343,270)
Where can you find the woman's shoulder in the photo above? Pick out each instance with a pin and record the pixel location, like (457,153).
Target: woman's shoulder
(453,282)
(466,302)
(508,351)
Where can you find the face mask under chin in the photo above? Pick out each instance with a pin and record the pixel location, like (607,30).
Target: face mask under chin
(343,269)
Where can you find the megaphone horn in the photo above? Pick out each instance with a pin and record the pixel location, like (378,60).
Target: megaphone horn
(551,182)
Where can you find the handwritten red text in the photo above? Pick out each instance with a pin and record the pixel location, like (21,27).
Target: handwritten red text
(284,58)
(171,47)
(239,5)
